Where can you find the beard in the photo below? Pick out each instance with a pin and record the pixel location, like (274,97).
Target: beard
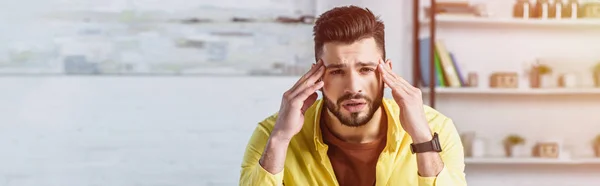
(355,119)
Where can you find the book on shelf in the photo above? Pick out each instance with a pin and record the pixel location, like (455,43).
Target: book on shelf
(425,63)
(447,71)
(458,71)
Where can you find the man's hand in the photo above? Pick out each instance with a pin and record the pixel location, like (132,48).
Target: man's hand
(410,101)
(412,118)
(295,102)
(290,118)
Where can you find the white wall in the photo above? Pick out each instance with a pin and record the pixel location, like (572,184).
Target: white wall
(85,130)
(192,130)
(130,130)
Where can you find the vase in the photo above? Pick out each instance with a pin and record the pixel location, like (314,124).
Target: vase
(567,81)
(508,149)
(597,150)
(547,81)
(597,79)
(534,78)
(478,148)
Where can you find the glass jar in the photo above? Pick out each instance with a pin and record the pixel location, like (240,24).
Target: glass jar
(542,9)
(522,9)
(571,9)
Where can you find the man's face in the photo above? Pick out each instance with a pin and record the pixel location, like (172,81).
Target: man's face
(353,89)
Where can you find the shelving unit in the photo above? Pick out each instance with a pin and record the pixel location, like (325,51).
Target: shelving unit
(449,20)
(520,91)
(416,52)
(486,45)
(536,161)
(488,22)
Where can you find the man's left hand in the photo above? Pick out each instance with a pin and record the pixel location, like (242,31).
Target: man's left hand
(410,101)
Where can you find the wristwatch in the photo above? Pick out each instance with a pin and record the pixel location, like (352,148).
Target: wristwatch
(433,145)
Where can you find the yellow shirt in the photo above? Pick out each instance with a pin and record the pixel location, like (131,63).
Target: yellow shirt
(307,163)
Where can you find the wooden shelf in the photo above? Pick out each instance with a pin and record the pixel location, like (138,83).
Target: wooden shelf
(536,161)
(448,20)
(519,91)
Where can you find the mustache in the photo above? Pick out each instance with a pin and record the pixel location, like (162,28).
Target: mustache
(352,96)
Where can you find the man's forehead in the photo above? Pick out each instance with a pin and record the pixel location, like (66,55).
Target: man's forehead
(349,60)
(364,50)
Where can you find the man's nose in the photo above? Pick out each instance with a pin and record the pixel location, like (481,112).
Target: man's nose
(353,84)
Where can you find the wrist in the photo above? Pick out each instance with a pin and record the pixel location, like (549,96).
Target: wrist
(421,137)
(280,136)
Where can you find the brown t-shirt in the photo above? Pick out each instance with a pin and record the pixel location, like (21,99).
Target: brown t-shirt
(353,164)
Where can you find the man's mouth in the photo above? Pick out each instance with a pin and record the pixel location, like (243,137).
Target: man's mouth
(354,105)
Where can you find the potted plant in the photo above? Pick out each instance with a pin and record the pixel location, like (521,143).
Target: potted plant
(596,74)
(510,142)
(540,75)
(596,145)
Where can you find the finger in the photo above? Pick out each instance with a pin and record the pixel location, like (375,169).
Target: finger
(304,94)
(312,70)
(399,78)
(392,81)
(315,67)
(388,70)
(405,84)
(386,74)
(310,80)
(381,73)
(388,79)
(309,101)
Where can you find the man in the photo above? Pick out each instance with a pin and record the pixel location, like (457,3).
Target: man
(353,135)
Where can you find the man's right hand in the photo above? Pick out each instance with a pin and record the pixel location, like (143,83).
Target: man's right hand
(296,101)
(291,118)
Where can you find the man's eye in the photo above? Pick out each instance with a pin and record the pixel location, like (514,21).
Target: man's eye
(336,72)
(367,70)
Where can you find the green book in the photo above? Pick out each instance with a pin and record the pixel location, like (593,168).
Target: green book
(439,71)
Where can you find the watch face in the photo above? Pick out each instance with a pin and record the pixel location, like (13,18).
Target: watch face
(436,143)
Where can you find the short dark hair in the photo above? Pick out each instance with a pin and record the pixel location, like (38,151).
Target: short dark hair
(348,24)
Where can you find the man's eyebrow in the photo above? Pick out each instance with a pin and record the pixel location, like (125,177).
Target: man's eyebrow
(339,65)
(362,64)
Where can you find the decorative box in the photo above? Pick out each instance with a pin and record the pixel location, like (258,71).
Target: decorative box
(546,150)
(590,10)
(504,80)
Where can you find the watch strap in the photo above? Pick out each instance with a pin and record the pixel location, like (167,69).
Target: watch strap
(431,146)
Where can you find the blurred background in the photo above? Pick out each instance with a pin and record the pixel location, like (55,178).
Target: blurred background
(147,92)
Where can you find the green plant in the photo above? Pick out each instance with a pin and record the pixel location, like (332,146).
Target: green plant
(597,68)
(596,140)
(514,139)
(544,69)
